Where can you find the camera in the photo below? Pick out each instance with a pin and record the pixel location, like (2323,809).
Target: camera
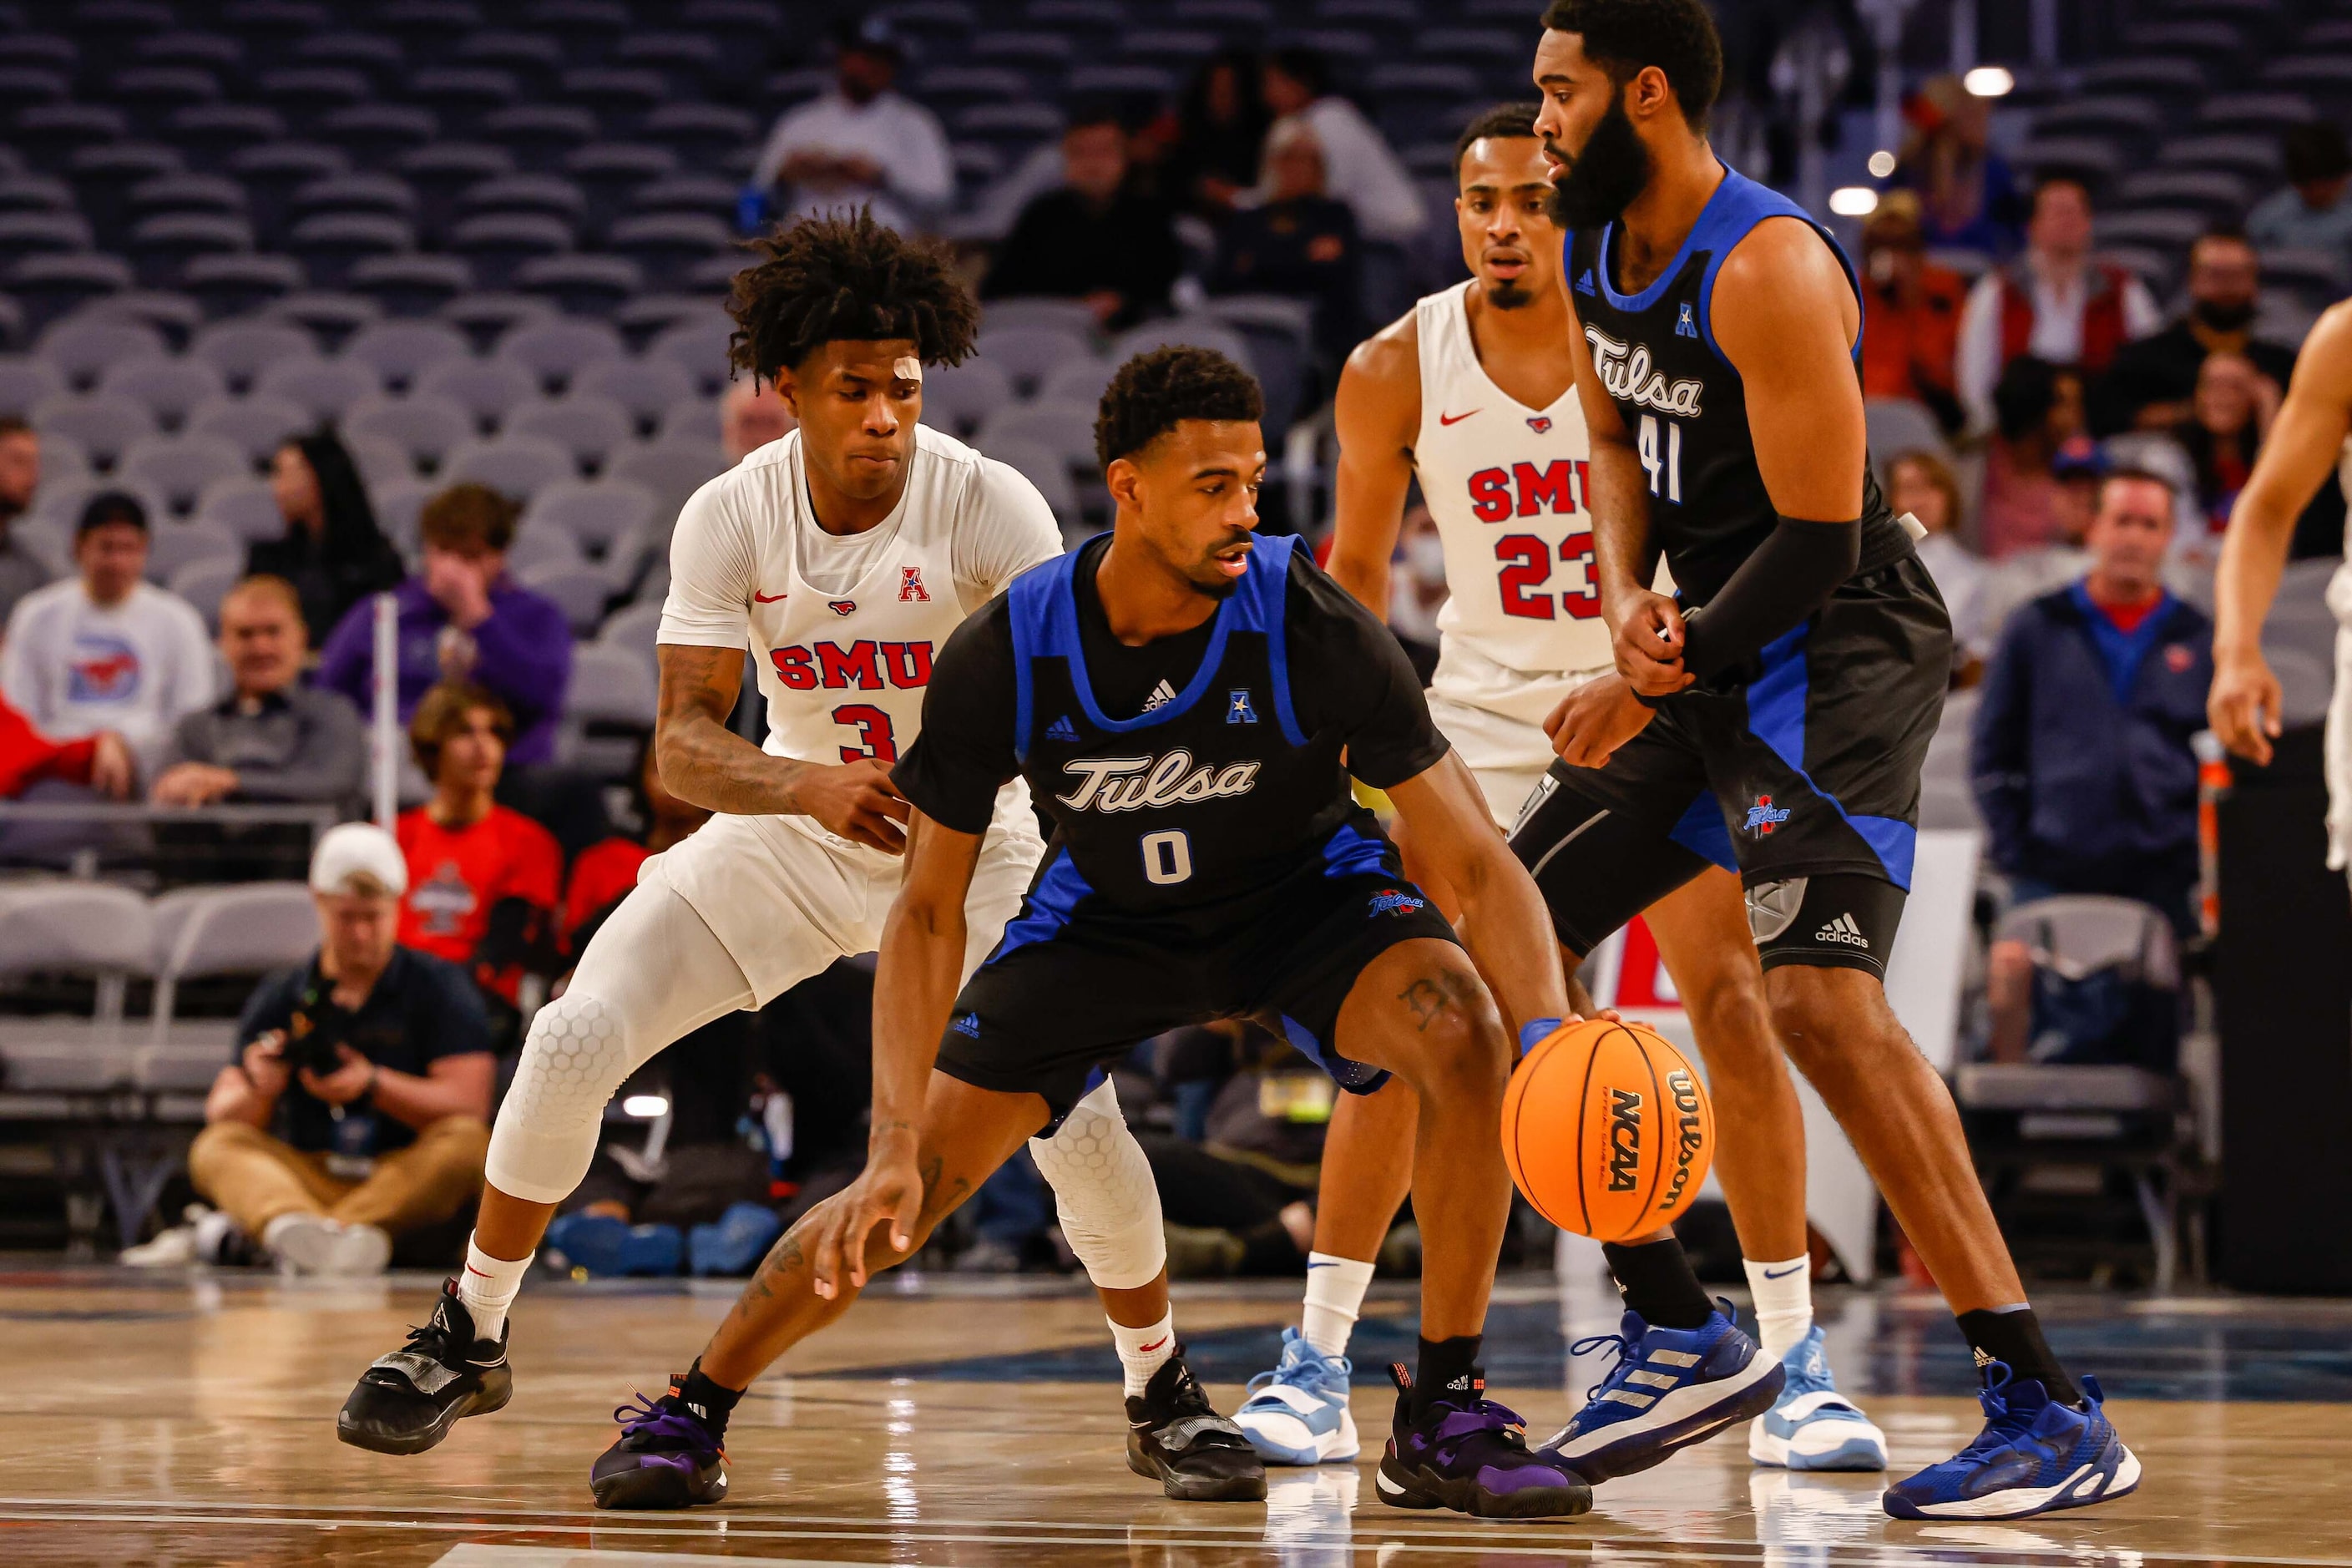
(317,1027)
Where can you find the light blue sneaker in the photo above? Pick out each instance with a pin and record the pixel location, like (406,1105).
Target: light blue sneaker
(2034,1455)
(1812,1426)
(1298,1414)
(1669,1388)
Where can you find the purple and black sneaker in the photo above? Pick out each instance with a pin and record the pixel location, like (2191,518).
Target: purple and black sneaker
(668,1457)
(1470,1454)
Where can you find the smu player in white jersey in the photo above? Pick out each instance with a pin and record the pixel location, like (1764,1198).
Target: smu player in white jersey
(1472,395)
(844,554)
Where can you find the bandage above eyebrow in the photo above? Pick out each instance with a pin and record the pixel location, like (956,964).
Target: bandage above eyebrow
(909,368)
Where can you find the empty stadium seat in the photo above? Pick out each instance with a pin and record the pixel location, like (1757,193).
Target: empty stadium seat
(179,468)
(77,927)
(488,390)
(553,350)
(423,427)
(25,383)
(249,929)
(168,387)
(257,425)
(244,505)
(597,514)
(1044,467)
(497,244)
(671,471)
(174,546)
(412,285)
(1066,429)
(700,346)
(81,350)
(589,429)
(517,466)
(398,351)
(239,350)
(581,285)
(957,398)
(104,425)
(608,708)
(580,589)
(322,388)
(1028,354)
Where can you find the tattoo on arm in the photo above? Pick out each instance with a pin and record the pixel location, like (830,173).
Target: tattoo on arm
(703,761)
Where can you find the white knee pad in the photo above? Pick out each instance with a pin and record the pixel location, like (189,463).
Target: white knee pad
(577,1056)
(1102,1187)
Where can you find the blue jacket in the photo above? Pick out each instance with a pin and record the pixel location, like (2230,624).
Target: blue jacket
(2080,756)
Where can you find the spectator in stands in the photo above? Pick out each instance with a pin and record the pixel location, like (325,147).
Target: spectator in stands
(2055,302)
(2311,213)
(2079,753)
(603,874)
(750,415)
(99,762)
(2151,383)
(21,571)
(331,552)
(271,740)
(1096,239)
(863,144)
(2228,418)
(2038,408)
(357,1107)
(463,618)
(483,879)
(1923,485)
(1358,162)
(1968,197)
(105,650)
(1299,243)
(1220,136)
(1914,310)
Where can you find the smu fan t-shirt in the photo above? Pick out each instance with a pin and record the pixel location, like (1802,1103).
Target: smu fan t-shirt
(456,876)
(75,668)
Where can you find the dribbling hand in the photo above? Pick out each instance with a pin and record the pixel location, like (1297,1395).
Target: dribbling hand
(857,801)
(890,1188)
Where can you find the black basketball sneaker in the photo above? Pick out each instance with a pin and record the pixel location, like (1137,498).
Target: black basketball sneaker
(407,1401)
(667,1455)
(1176,1437)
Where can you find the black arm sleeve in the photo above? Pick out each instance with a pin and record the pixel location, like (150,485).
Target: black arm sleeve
(1792,574)
(1349,674)
(964,754)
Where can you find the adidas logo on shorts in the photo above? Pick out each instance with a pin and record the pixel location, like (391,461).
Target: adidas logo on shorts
(1843,930)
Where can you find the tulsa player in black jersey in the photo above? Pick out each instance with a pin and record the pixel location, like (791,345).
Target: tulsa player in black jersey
(1179,695)
(1793,687)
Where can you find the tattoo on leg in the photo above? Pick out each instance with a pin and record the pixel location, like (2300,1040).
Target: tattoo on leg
(1430,998)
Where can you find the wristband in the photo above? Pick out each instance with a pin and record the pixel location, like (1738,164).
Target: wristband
(1533,1031)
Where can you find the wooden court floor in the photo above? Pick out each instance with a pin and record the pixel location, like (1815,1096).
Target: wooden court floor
(185,1421)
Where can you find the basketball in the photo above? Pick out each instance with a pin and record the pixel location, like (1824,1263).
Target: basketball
(1607,1130)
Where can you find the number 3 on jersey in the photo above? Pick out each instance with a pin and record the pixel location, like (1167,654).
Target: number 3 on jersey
(1668,464)
(873,726)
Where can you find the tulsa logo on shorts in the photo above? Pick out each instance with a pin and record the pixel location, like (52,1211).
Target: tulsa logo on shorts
(1130,783)
(1396,901)
(1764,817)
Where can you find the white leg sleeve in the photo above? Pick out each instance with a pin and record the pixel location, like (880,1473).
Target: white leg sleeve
(652,974)
(1102,1185)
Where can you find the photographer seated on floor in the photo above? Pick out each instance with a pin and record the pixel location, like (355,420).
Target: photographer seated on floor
(358,1106)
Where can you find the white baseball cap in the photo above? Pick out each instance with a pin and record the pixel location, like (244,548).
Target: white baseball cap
(358,849)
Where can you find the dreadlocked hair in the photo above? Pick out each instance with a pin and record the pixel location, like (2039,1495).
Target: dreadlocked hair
(846,279)
(1153,393)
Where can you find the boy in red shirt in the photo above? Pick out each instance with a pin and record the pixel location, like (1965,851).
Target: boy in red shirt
(483,880)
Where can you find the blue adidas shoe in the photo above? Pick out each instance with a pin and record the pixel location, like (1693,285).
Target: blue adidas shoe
(2034,1456)
(1670,1388)
(1298,1414)
(1812,1426)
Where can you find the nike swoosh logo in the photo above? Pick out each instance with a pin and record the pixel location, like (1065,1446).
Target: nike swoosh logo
(1784,1273)
(1154,1345)
(1313,1267)
(758,597)
(1453,418)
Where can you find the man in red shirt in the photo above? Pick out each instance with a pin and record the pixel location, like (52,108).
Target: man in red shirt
(483,879)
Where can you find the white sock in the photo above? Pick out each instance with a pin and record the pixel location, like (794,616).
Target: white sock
(487,1286)
(1784,1302)
(1335,1291)
(1142,1352)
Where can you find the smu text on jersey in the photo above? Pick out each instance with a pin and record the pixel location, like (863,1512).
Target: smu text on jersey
(863,665)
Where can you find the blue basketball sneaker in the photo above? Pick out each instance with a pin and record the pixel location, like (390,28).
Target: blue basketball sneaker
(2034,1455)
(1669,1388)
(1298,1414)
(1812,1426)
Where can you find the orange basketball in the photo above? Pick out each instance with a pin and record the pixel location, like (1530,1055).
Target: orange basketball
(1607,1130)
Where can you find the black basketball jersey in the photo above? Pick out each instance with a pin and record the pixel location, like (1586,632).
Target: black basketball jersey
(1684,405)
(1230,778)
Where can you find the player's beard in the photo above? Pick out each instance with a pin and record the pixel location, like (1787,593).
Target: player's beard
(1509,294)
(1603,179)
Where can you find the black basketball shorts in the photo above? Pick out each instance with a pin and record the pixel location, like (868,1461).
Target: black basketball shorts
(1805,781)
(1073,986)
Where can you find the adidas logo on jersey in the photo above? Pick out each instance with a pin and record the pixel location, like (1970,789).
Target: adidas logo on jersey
(1584,281)
(966,1023)
(1132,783)
(1842,930)
(1062,729)
(1161,695)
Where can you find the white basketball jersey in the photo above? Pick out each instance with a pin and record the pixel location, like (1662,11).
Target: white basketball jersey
(1506,485)
(844,663)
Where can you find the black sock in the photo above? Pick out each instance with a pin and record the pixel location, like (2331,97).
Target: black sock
(708,1399)
(2015,1338)
(1448,1372)
(1656,1281)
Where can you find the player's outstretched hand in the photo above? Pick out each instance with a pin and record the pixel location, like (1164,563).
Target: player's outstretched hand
(1594,720)
(2243,706)
(858,801)
(1649,645)
(889,1190)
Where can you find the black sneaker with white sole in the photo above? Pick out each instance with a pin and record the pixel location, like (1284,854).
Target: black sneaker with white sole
(1175,1437)
(408,1400)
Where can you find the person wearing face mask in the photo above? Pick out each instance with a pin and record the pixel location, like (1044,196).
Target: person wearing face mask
(1914,312)
(2153,383)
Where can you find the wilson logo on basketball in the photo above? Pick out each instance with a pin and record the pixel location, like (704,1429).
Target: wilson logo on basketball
(1624,1138)
(1689,1140)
